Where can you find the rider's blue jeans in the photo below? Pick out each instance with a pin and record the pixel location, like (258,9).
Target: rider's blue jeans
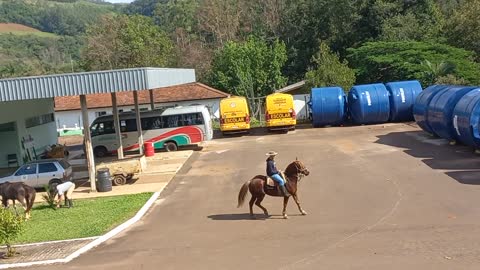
(278,179)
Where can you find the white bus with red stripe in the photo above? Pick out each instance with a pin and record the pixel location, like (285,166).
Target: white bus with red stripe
(167,129)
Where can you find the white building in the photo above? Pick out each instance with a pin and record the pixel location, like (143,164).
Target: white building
(68,114)
(26,128)
(27,115)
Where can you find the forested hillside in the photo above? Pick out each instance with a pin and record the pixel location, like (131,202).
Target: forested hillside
(252,47)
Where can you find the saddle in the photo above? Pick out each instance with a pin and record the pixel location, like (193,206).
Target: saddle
(272,183)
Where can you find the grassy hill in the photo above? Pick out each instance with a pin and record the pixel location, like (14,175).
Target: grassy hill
(19,29)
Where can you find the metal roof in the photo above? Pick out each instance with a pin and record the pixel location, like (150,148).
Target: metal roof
(291,87)
(85,83)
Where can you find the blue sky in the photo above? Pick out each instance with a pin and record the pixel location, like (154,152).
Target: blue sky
(120,1)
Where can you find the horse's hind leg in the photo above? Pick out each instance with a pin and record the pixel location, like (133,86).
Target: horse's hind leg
(252,201)
(258,203)
(285,202)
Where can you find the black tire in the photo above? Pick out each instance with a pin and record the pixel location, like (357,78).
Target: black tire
(171,147)
(119,180)
(55,182)
(100,151)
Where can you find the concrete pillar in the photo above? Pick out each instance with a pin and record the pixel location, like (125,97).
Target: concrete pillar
(139,123)
(88,144)
(116,123)
(152,100)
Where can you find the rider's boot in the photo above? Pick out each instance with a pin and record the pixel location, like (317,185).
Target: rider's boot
(284,191)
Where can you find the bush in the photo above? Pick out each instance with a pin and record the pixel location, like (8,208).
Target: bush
(11,226)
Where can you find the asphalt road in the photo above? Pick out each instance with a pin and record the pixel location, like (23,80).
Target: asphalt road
(378,197)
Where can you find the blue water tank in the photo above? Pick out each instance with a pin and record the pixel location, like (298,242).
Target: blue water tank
(466,119)
(440,110)
(369,104)
(402,98)
(328,105)
(420,108)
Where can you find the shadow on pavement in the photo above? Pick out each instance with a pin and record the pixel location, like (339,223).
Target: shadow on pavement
(460,162)
(245,216)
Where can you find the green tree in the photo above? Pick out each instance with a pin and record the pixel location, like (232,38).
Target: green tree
(463,30)
(411,20)
(251,68)
(122,41)
(390,61)
(328,70)
(304,22)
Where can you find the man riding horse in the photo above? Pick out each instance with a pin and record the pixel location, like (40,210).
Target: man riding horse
(273,173)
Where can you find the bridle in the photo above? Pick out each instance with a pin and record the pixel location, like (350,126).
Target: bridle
(301,170)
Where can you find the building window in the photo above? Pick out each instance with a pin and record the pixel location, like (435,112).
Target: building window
(98,114)
(7,127)
(39,120)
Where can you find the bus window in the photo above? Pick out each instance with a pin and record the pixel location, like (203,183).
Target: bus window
(152,123)
(129,125)
(193,119)
(103,128)
(172,121)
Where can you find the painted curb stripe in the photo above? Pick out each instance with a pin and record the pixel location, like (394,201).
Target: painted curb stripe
(95,242)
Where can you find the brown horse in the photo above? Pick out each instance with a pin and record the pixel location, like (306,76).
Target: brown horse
(258,188)
(18,191)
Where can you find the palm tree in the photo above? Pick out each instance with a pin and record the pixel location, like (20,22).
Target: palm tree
(437,70)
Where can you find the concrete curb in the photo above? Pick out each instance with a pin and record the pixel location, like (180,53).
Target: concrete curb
(95,242)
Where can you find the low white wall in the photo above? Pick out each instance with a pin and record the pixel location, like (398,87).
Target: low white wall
(301,106)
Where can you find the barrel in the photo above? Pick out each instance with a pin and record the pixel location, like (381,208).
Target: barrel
(104,181)
(420,108)
(440,110)
(328,106)
(369,104)
(466,119)
(402,98)
(149,149)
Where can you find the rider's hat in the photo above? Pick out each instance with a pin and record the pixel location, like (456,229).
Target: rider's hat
(271,153)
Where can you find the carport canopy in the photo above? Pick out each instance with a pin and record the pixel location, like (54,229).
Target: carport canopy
(97,82)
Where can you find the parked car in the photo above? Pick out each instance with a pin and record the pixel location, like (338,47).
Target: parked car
(43,172)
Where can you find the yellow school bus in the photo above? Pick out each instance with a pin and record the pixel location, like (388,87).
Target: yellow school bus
(234,115)
(280,112)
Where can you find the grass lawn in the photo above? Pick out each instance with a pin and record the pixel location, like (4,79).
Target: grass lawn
(88,217)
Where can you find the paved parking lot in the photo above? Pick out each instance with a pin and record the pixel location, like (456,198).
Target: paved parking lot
(378,197)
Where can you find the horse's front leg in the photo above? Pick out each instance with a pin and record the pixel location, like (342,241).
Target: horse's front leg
(285,202)
(297,201)
(15,207)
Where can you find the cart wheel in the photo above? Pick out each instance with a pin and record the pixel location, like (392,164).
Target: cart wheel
(119,180)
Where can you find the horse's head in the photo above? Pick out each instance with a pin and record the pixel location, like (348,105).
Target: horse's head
(298,168)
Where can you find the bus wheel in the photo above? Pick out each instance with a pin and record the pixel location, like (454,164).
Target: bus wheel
(171,146)
(100,151)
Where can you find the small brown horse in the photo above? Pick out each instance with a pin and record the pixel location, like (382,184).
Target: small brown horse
(258,188)
(18,191)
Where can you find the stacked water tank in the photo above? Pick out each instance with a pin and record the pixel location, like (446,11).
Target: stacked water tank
(365,104)
(450,112)
(328,106)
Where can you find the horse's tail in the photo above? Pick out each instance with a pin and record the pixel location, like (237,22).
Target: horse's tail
(243,193)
